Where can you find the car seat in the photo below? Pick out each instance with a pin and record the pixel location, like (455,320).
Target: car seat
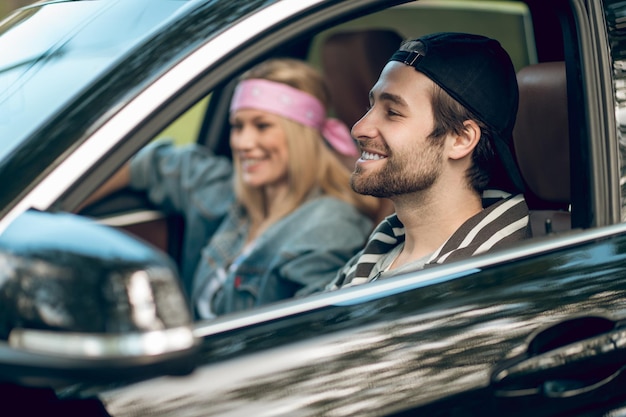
(541,140)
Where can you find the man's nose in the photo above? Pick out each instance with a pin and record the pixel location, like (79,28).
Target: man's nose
(363,128)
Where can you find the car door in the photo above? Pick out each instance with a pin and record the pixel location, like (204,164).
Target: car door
(205,122)
(442,342)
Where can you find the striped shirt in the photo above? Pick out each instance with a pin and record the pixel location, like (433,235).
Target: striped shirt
(496,226)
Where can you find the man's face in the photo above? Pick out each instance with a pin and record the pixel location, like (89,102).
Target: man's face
(397,157)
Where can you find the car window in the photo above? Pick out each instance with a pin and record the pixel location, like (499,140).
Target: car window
(509,22)
(186,128)
(512,26)
(212,108)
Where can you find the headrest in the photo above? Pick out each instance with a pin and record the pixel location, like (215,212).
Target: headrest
(541,134)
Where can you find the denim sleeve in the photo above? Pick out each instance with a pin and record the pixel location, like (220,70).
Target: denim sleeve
(177,177)
(327,239)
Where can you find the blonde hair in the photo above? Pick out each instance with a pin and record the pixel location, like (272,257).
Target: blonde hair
(324,171)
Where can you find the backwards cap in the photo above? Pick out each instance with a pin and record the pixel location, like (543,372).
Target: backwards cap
(478,73)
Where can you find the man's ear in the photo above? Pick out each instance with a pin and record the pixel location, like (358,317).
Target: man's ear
(465,142)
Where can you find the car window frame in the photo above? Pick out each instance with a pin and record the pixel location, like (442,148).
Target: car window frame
(215,79)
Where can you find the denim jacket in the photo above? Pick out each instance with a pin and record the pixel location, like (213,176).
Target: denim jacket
(298,255)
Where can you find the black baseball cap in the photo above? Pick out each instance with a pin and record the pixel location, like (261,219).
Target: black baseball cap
(477,72)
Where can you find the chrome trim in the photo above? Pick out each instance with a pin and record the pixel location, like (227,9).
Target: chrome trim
(103,346)
(110,133)
(136,217)
(406,282)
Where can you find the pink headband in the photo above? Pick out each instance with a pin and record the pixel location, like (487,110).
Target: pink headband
(296,105)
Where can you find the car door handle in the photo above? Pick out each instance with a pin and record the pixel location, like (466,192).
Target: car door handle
(570,359)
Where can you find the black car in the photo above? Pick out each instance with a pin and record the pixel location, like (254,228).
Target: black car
(92,317)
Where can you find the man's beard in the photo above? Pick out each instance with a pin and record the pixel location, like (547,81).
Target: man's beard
(397,177)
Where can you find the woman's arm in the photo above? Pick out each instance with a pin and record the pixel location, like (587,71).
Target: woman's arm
(118,180)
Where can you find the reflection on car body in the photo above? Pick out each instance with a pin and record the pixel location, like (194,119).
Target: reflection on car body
(447,341)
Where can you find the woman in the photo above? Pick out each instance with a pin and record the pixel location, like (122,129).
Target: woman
(280,219)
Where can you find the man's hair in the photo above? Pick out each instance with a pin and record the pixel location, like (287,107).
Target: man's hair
(449,117)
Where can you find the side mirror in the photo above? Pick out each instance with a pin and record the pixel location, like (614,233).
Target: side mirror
(82,302)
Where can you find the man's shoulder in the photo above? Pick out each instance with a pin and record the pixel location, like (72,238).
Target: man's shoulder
(498,225)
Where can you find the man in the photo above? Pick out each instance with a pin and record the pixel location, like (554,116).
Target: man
(439,124)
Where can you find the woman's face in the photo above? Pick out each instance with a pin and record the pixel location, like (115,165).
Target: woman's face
(259,144)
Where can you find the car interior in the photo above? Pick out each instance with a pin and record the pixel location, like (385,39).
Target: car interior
(540,135)
(352,53)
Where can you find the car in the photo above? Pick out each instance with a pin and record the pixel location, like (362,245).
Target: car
(93,319)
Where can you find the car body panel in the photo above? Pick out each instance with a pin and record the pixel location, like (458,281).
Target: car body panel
(393,346)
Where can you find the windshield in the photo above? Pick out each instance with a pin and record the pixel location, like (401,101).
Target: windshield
(51,51)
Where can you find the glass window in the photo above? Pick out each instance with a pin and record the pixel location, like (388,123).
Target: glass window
(186,128)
